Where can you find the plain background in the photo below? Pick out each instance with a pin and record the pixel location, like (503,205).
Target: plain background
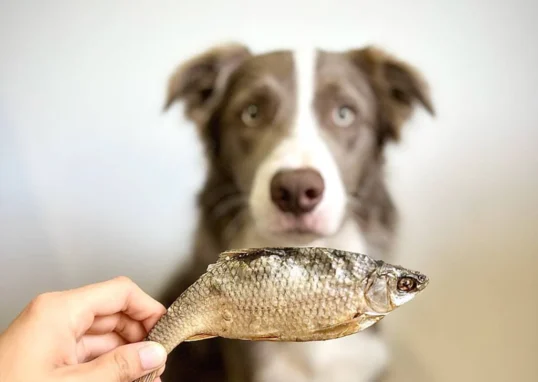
(96,181)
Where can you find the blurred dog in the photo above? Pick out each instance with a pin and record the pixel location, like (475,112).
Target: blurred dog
(294,142)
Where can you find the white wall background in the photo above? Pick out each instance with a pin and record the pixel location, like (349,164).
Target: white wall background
(95,181)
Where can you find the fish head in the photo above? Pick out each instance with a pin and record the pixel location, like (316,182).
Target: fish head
(391,286)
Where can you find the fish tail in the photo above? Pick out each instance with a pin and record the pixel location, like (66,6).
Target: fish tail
(148,377)
(173,328)
(151,376)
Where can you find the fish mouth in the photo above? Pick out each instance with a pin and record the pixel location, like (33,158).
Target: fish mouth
(422,280)
(424,284)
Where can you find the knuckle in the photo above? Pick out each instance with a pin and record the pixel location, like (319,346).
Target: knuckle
(40,303)
(123,369)
(124,280)
(121,325)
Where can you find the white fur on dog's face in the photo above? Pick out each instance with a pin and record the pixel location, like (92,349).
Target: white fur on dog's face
(304,147)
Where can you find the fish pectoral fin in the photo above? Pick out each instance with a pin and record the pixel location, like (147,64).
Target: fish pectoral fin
(264,337)
(199,337)
(356,324)
(338,331)
(366,320)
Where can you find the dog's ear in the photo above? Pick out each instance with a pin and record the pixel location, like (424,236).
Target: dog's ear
(398,86)
(200,81)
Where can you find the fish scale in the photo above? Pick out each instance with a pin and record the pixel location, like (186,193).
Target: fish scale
(285,294)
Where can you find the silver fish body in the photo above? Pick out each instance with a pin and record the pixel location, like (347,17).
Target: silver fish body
(286,294)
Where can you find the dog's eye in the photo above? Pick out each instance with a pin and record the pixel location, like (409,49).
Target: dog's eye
(250,115)
(343,116)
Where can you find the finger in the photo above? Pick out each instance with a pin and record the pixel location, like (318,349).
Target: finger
(125,326)
(123,364)
(109,297)
(90,347)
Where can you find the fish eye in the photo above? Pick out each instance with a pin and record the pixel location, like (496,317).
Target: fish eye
(407,284)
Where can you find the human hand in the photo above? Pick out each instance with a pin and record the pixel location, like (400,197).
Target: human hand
(87,334)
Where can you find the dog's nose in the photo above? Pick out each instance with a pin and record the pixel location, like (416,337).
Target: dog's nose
(297,191)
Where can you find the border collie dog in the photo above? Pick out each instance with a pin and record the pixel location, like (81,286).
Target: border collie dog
(294,142)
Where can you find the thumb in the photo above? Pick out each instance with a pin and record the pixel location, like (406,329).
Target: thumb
(125,363)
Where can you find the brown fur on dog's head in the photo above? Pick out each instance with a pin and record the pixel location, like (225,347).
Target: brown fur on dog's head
(199,81)
(398,86)
(217,84)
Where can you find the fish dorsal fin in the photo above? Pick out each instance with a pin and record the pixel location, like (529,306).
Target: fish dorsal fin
(253,252)
(232,254)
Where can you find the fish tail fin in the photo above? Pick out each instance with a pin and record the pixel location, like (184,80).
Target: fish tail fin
(148,377)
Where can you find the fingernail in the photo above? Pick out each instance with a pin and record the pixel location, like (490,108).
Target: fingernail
(152,356)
